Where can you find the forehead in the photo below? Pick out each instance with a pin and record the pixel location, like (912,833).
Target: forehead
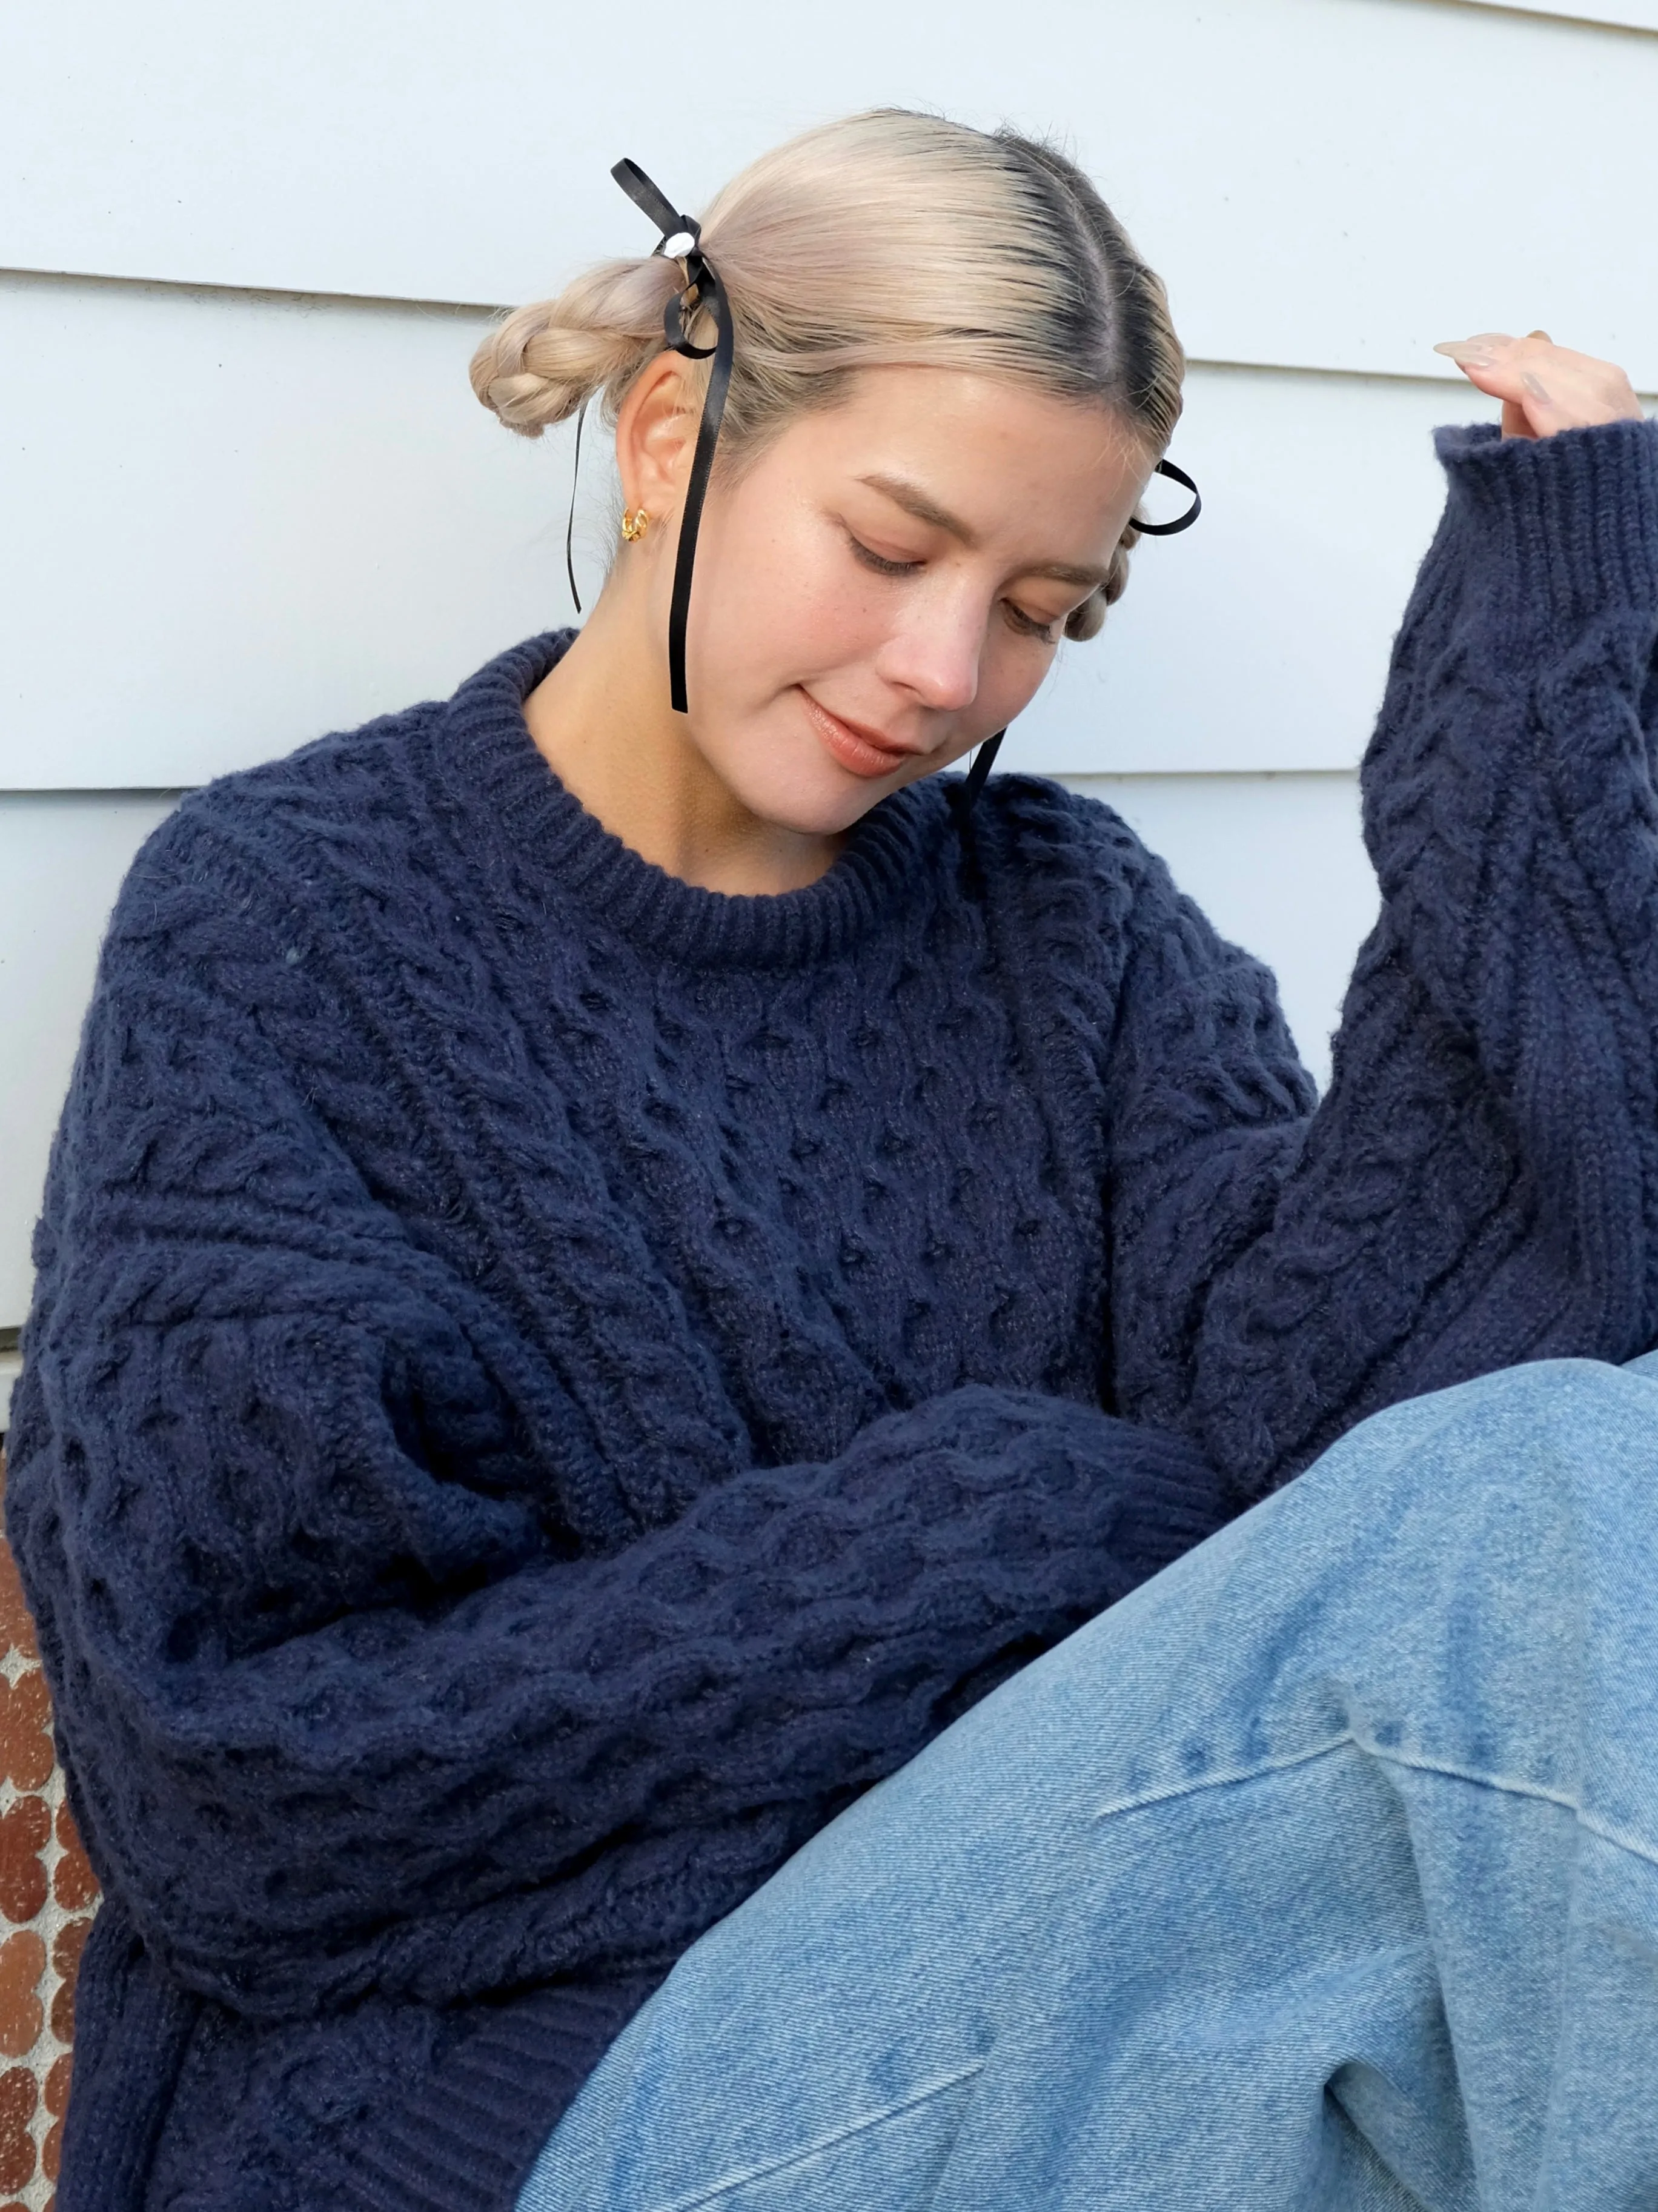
(983,459)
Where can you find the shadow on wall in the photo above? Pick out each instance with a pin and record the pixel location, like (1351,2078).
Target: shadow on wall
(47,1898)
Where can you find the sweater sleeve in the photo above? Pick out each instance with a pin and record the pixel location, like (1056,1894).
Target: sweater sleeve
(341,1706)
(1480,1185)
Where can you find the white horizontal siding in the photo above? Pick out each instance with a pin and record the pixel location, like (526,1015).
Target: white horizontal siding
(1275,861)
(282,517)
(61,862)
(1325,182)
(1277,864)
(279,517)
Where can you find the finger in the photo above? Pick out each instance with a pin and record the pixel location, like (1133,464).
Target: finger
(1486,360)
(1479,351)
(1495,349)
(1554,388)
(1561,390)
(1514,423)
(1490,363)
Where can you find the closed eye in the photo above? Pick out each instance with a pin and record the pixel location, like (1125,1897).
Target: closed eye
(1028,626)
(881,565)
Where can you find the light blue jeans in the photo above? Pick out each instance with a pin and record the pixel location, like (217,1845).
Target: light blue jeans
(1323,1873)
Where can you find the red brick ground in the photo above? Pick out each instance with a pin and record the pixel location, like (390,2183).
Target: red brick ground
(47,1894)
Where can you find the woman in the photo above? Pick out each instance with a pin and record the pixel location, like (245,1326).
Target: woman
(611,1270)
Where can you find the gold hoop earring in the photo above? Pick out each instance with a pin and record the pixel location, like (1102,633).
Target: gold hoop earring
(634,526)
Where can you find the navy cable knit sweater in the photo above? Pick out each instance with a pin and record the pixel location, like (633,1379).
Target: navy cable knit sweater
(546,1381)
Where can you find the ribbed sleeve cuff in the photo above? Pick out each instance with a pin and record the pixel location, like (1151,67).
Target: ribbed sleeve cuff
(1178,1500)
(1571,521)
(466,2140)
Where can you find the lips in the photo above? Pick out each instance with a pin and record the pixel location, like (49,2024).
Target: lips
(863,751)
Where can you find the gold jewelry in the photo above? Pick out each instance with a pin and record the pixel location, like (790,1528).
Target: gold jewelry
(635,525)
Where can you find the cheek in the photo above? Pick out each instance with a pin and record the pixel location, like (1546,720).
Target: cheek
(1013,671)
(777,596)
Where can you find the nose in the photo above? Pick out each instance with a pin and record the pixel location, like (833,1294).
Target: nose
(934,655)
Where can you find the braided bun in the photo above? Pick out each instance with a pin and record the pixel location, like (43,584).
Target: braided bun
(1085,621)
(540,364)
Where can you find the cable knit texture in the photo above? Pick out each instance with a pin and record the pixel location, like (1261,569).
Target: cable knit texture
(546,1381)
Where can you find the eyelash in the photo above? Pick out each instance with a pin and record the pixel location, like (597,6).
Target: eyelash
(882,566)
(1047,633)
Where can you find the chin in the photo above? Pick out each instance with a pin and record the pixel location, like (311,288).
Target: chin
(808,794)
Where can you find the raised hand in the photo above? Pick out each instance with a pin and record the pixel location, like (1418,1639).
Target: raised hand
(1543,388)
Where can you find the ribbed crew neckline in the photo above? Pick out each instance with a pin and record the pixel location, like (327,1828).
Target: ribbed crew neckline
(496,776)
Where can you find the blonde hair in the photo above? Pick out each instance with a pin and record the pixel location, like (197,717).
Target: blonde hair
(886,238)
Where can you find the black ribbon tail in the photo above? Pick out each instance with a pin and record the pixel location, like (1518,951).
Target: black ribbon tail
(711,296)
(570,525)
(979,774)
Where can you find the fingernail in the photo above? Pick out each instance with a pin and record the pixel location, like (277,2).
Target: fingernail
(1465,354)
(1534,385)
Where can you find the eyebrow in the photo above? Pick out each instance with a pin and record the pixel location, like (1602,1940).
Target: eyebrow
(914,501)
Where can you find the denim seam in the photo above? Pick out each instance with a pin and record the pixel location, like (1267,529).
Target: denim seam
(1193,1785)
(780,2165)
(1509,1785)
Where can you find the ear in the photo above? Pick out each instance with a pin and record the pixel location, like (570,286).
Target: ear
(656,436)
